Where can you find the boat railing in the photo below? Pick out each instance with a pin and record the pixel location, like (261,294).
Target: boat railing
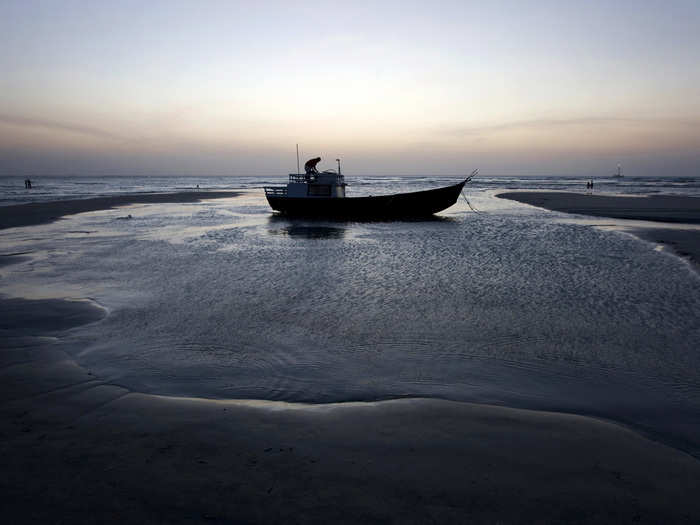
(313,177)
(302,177)
(275,191)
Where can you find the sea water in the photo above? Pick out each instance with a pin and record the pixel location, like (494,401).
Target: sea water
(513,305)
(12,189)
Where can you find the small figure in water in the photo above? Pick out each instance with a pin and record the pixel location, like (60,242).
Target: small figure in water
(310,166)
(28,184)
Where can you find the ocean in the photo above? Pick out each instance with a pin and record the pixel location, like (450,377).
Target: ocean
(12,189)
(510,305)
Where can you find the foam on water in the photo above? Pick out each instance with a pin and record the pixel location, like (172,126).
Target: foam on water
(515,306)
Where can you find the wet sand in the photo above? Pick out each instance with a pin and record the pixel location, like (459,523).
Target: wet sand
(685,243)
(44,212)
(78,450)
(659,208)
(662,208)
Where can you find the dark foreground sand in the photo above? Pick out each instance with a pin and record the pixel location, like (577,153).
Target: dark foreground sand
(45,212)
(75,449)
(658,208)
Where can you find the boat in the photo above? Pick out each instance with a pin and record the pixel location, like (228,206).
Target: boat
(323,195)
(619,172)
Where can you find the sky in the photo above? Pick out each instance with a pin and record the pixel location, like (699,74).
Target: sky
(393,88)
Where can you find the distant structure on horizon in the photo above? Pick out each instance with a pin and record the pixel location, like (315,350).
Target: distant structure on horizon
(619,172)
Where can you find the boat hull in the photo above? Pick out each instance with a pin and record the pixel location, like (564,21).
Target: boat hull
(401,205)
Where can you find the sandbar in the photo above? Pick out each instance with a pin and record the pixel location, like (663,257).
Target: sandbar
(656,208)
(33,213)
(662,208)
(77,449)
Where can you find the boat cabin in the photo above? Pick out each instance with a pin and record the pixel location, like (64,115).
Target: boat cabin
(311,185)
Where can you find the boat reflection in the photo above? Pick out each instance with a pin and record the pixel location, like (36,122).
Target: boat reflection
(304,230)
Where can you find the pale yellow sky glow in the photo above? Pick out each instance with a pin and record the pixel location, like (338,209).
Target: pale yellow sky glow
(399,86)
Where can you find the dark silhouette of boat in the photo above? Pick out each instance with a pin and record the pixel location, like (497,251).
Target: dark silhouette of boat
(323,195)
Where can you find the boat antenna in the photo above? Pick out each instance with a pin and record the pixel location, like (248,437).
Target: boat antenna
(297,159)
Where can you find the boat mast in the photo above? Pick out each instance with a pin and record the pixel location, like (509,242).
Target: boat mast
(297,159)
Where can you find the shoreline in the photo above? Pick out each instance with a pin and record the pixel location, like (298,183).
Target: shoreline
(657,208)
(33,213)
(682,243)
(86,450)
(677,210)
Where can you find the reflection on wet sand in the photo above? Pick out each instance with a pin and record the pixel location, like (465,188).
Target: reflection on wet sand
(330,228)
(309,232)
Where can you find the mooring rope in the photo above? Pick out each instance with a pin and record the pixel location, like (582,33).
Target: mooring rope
(472,175)
(470,204)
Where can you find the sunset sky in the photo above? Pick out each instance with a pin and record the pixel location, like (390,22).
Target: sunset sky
(229,88)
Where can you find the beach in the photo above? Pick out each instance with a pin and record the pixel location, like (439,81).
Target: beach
(84,442)
(452,276)
(45,212)
(662,208)
(654,208)
(87,451)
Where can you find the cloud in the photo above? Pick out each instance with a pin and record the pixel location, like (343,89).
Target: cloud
(14,120)
(553,124)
